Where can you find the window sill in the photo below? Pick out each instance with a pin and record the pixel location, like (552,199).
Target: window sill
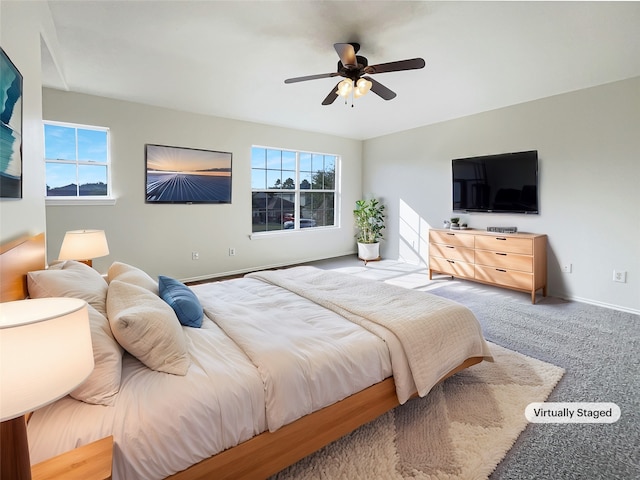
(286,232)
(58,201)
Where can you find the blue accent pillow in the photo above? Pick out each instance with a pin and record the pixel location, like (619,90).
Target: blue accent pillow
(183,301)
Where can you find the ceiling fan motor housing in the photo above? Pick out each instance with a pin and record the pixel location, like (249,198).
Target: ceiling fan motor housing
(353,72)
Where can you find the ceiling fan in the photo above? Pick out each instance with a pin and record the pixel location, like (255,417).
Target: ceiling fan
(355,70)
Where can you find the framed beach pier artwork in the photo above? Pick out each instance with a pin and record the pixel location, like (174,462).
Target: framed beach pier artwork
(187,175)
(10,129)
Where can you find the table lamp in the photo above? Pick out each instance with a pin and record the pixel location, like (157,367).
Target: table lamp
(45,352)
(84,246)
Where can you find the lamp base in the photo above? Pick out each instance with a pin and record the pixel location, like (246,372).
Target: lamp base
(14,454)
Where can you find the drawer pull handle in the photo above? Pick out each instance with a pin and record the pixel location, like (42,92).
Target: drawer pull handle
(500,270)
(503,254)
(451,261)
(449,246)
(500,238)
(452,234)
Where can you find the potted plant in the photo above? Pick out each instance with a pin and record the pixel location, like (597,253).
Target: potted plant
(369,216)
(454,223)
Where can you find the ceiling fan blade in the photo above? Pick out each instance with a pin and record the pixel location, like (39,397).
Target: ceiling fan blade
(347,54)
(311,77)
(332,96)
(381,90)
(411,64)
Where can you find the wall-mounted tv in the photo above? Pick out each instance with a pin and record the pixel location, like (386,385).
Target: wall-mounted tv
(187,175)
(504,183)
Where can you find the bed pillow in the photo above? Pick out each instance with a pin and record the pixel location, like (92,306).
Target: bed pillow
(147,328)
(183,301)
(69,279)
(130,274)
(103,383)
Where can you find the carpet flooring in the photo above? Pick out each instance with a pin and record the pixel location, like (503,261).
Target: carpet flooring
(461,430)
(599,348)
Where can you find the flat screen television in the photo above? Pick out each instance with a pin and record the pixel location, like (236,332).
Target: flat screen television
(187,175)
(503,183)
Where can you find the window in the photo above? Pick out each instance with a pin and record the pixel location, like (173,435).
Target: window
(292,190)
(77,161)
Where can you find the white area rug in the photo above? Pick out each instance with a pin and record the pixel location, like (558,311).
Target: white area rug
(461,430)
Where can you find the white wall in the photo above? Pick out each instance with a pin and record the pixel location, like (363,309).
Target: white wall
(20,27)
(160,238)
(588,144)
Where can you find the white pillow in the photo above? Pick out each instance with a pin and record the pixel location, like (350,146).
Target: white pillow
(147,328)
(69,279)
(130,274)
(103,383)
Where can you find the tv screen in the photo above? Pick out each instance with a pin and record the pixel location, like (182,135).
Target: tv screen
(504,183)
(187,175)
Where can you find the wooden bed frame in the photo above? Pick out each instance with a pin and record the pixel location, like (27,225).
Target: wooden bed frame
(265,454)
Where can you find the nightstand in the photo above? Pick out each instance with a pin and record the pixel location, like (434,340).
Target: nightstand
(89,462)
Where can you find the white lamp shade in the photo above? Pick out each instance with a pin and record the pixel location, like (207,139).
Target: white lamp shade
(45,352)
(84,245)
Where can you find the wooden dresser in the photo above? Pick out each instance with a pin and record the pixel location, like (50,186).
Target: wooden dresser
(511,260)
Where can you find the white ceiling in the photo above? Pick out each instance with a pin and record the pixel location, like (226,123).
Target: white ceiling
(230,59)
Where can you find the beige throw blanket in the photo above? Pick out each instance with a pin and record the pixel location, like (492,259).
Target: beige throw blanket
(436,334)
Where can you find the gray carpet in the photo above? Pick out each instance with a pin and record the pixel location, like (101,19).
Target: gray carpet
(599,349)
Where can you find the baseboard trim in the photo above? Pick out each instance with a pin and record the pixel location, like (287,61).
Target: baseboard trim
(243,271)
(596,303)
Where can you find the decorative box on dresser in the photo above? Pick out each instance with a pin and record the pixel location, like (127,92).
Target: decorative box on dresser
(512,260)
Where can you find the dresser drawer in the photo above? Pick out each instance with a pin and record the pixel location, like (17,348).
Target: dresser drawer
(501,276)
(452,252)
(451,238)
(451,267)
(508,261)
(504,244)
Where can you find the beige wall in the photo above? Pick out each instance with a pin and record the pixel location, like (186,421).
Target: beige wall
(20,27)
(160,238)
(588,146)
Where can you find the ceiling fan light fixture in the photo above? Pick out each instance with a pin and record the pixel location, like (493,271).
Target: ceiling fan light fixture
(362,87)
(345,87)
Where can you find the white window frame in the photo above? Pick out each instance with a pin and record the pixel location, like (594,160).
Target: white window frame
(107,199)
(297,191)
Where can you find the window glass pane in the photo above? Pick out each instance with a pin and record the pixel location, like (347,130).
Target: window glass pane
(318,180)
(92,146)
(258,178)
(319,207)
(329,163)
(273,211)
(274,159)
(317,162)
(274,179)
(289,161)
(59,142)
(305,180)
(305,162)
(61,180)
(289,180)
(92,180)
(258,158)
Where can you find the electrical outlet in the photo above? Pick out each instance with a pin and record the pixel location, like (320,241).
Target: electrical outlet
(619,276)
(195,256)
(566,268)
(232,252)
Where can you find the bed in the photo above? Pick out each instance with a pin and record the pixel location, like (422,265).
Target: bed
(283,363)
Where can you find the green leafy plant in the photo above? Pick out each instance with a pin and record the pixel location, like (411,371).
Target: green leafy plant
(369,215)
(455,219)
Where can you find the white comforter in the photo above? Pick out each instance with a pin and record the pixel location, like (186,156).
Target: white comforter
(263,358)
(308,357)
(163,423)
